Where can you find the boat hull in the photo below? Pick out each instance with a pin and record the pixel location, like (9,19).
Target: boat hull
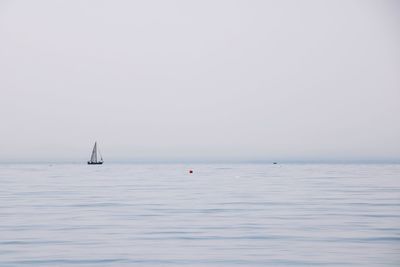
(94,163)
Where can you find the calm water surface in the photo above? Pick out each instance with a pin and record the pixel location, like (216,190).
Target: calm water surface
(221,215)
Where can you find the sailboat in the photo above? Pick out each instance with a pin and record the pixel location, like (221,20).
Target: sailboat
(93,158)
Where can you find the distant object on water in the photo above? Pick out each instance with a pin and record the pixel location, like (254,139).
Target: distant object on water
(275,163)
(93,159)
(190,171)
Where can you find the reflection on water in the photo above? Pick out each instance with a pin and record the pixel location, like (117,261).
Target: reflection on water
(221,215)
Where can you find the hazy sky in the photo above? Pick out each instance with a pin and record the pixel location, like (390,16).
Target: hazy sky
(200,80)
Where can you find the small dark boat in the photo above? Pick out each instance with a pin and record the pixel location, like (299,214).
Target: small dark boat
(93,159)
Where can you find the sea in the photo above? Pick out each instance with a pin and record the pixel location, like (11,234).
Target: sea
(219,215)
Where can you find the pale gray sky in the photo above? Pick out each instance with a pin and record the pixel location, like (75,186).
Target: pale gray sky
(200,80)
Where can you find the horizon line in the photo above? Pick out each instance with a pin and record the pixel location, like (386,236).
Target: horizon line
(310,161)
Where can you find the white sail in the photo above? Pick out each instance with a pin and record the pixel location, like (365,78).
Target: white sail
(101,157)
(93,158)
